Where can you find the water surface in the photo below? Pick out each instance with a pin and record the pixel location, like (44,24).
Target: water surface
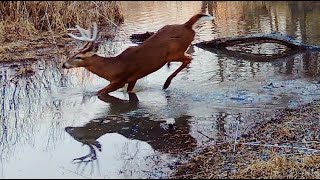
(48,115)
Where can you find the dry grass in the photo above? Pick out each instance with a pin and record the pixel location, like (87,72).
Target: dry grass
(287,147)
(26,18)
(28,25)
(282,167)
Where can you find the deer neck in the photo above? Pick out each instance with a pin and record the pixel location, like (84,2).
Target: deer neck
(101,66)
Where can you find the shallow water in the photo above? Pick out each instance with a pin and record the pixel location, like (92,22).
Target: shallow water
(46,116)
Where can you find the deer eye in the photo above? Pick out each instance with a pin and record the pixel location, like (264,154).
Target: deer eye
(77,57)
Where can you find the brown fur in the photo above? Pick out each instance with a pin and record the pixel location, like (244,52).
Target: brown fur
(167,45)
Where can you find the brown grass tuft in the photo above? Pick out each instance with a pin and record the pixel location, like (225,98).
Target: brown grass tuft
(27,18)
(288,147)
(26,26)
(282,167)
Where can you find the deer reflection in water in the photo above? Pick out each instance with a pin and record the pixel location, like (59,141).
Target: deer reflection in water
(163,137)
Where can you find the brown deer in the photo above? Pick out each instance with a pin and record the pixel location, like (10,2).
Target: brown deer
(169,44)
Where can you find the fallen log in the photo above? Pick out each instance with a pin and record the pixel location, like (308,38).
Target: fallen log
(139,38)
(275,37)
(221,45)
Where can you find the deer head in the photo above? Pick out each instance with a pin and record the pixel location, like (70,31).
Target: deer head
(80,58)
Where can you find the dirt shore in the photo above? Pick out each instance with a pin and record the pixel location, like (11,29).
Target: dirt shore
(34,48)
(286,147)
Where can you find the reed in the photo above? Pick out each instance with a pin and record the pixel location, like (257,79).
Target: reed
(20,19)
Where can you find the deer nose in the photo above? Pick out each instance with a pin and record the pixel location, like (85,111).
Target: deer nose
(63,66)
(68,129)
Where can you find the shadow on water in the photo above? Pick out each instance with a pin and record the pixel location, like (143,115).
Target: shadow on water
(172,137)
(133,121)
(47,111)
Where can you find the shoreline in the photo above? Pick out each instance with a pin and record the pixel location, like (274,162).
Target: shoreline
(285,147)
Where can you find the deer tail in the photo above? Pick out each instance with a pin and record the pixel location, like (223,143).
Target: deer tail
(198,17)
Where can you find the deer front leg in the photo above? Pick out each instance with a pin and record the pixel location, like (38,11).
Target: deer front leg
(186,60)
(111,87)
(133,97)
(131,85)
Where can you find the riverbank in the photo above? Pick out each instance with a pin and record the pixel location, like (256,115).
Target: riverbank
(28,28)
(286,147)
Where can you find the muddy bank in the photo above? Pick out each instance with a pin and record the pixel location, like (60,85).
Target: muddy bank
(286,147)
(45,46)
(29,28)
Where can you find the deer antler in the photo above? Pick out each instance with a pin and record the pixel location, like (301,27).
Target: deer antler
(86,34)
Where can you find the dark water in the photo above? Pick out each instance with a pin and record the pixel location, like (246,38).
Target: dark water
(48,115)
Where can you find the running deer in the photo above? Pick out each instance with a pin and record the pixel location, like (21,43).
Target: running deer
(169,44)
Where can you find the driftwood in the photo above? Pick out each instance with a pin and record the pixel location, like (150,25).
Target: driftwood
(221,45)
(274,37)
(139,38)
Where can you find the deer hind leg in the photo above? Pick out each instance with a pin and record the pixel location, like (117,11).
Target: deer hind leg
(131,85)
(186,60)
(111,87)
